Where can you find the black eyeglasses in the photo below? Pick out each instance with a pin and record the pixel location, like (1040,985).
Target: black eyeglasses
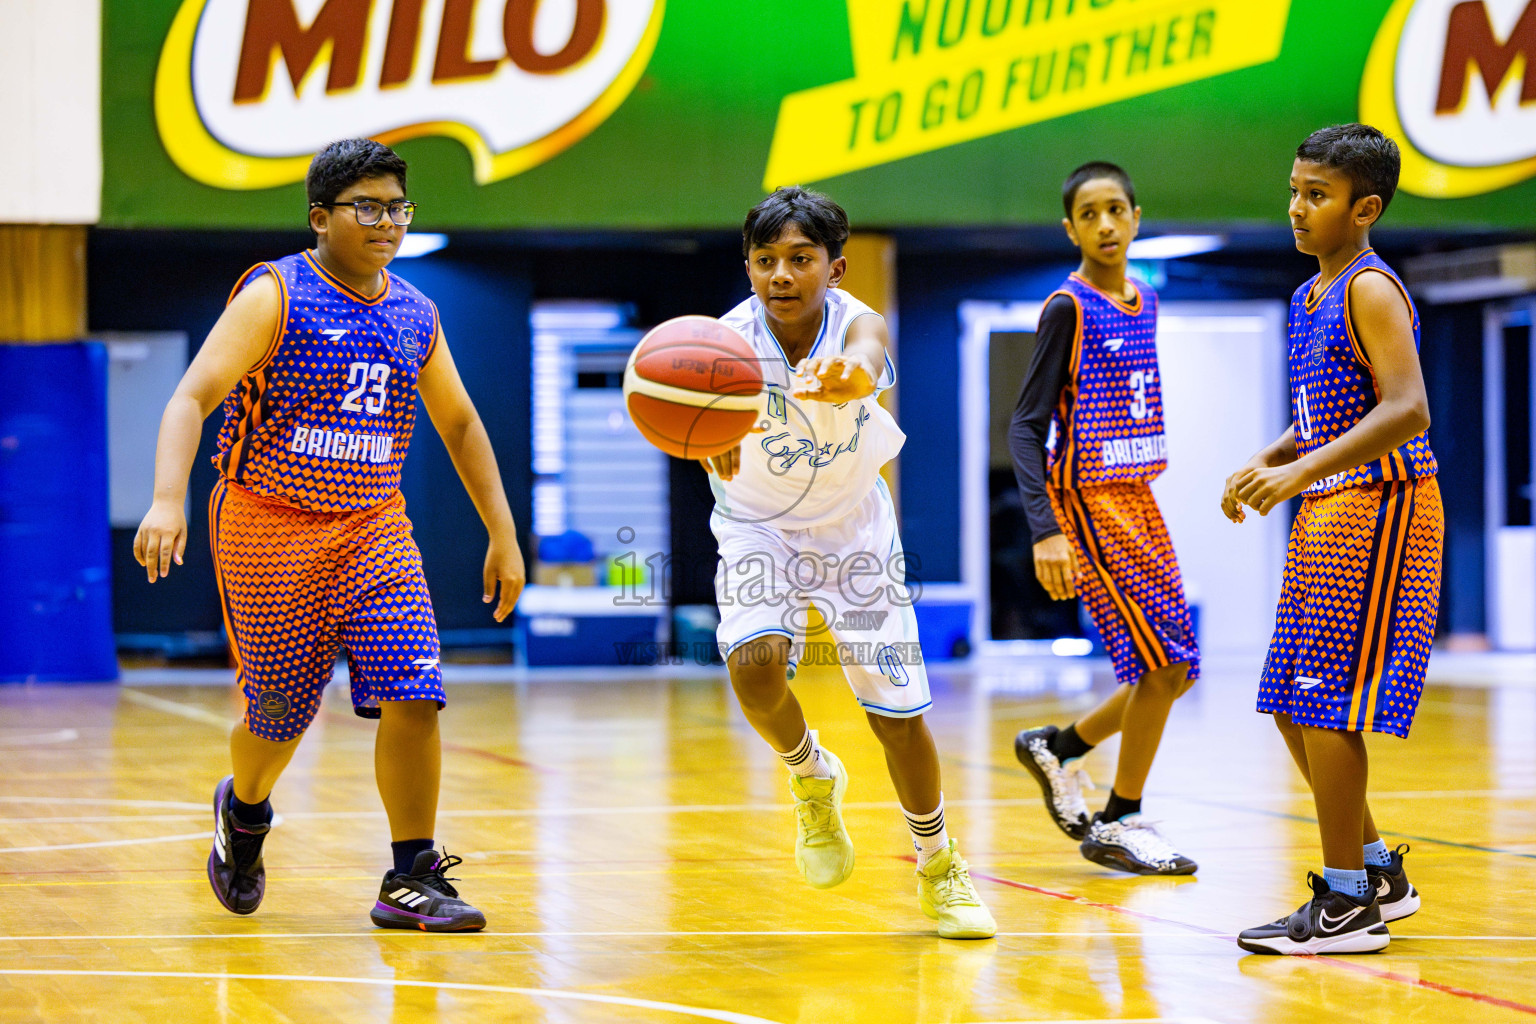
(370,211)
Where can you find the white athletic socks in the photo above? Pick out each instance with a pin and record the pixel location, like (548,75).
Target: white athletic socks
(806,760)
(928,833)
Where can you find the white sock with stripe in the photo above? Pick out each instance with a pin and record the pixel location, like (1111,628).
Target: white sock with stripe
(928,833)
(806,760)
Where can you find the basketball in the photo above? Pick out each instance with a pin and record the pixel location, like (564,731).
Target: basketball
(693,387)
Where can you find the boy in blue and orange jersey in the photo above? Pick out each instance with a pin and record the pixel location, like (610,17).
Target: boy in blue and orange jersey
(318,360)
(1094,387)
(1362,573)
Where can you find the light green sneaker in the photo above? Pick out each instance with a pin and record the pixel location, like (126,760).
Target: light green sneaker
(945,893)
(823,851)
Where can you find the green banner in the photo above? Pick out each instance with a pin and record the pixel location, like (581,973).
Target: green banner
(679,113)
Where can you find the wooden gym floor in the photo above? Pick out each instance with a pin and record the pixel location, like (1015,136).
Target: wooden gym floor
(630,842)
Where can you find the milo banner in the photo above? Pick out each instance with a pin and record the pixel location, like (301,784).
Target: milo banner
(680,113)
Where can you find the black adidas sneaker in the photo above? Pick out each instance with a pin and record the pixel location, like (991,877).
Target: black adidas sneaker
(1395,895)
(235,870)
(1330,922)
(1061,785)
(424,900)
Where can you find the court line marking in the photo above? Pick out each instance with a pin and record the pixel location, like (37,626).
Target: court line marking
(378,933)
(536,812)
(726,1016)
(107,819)
(494,812)
(509,812)
(172,707)
(1327,961)
(1248,809)
(107,800)
(38,739)
(197,714)
(100,844)
(790,934)
(1199,802)
(343,719)
(1014,771)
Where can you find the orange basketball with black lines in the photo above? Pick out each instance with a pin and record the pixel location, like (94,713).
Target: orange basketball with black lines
(694,387)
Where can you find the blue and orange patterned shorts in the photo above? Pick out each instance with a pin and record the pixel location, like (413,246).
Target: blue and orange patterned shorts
(1128,577)
(299,587)
(1357,608)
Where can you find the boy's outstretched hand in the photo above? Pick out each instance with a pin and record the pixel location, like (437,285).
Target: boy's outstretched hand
(836,379)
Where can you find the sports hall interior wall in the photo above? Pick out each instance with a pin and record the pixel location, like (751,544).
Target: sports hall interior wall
(485,283)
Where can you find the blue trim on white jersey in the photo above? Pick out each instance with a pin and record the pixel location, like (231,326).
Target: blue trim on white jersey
(826,309)
(888,375)
(885,712)
(731,648)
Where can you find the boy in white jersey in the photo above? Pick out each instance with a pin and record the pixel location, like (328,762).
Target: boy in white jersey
(803,518)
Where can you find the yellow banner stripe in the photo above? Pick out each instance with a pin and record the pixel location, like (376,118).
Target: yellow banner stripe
(925,97)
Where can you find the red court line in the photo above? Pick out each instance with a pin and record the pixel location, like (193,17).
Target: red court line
(457,748)
(1329,961)
(491,755)
(1111,907)
(1433,986)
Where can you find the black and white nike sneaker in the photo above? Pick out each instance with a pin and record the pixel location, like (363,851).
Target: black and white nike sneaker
(1395,895)
(425,900)
(1330,922)
(235,870)
(1132,844)
(1062,785)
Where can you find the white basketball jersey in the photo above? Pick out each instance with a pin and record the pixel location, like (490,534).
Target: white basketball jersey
(816,461)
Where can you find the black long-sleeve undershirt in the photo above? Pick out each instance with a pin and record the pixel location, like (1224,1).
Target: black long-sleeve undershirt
(1049,373)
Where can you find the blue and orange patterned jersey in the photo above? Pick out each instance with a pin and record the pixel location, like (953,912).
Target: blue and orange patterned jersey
(1108,425)
(1333,385)
(324,420)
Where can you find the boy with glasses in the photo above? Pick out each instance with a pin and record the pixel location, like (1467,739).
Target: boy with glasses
(318,360)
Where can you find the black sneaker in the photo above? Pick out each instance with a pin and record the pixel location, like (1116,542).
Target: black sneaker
(1061,785)
(235,870)
(1132,844)
(1330,922)
(424,900)
(1395,895)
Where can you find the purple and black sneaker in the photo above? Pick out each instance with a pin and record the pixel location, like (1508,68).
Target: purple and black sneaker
(235,870)
(424,900)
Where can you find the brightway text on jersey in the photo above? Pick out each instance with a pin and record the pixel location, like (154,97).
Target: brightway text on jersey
(1135,451)
(342,445)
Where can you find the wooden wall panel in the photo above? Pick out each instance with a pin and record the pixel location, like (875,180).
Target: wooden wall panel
(42,283)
